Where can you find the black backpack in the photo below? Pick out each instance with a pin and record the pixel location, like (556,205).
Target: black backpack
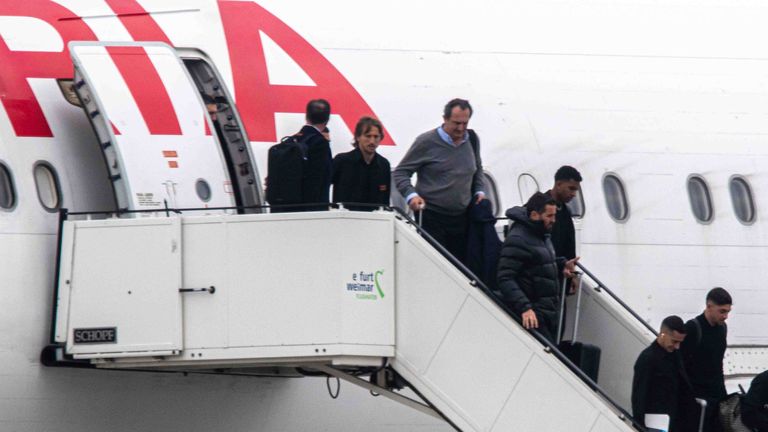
(286,169)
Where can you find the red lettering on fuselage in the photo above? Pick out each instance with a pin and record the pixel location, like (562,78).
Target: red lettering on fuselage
(137,21)
(17,66)
(257,100)
(147,89)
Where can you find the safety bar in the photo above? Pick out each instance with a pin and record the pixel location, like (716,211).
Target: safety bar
(601,286)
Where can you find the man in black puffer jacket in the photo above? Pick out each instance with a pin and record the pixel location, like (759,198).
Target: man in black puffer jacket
(528,269)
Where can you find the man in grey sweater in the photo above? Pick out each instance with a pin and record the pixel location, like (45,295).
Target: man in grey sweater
(450,175)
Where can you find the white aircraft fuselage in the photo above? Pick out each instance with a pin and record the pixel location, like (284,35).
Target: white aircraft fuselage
(654,94)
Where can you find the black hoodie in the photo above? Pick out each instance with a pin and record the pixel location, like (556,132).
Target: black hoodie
(528,270)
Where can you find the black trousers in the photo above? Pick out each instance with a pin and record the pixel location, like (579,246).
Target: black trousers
(547,328)
(449,230)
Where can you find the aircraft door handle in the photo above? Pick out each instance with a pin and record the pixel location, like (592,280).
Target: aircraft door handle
(211,289)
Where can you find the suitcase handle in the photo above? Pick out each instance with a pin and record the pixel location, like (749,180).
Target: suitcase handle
(562,308)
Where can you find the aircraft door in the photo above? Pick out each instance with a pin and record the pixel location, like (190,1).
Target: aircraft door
(152,126)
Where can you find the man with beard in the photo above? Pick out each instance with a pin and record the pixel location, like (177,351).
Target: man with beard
(528,269)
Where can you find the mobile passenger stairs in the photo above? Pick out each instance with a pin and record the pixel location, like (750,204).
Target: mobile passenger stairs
(362,296)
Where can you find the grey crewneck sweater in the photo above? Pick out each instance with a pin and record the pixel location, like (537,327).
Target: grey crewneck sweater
(448,175)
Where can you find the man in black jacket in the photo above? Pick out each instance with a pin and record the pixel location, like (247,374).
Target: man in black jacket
(528,269)
(567,185)
(703,353)
(317,179)
(659,375)
(754,406)
(362,175)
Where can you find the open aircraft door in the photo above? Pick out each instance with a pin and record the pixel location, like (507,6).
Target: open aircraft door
(152,125)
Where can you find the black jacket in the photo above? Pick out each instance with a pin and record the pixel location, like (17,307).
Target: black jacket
(754,406)
(656,385)
(356,181)
(703,350)
(528,270)
(483,244)
(564,233)
(317,176)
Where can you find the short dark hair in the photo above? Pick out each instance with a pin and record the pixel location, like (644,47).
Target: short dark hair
(673,323)
(463,104)
(318,111)
(364,125)
(567,172)
(538,201)
(719,296)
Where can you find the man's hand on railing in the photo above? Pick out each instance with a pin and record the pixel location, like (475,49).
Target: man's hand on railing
(417,203)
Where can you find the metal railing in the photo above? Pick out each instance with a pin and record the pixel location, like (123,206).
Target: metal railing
(602,287)
(549,347)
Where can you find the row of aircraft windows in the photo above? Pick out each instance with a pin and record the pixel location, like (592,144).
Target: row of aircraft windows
(699,196)
(617,204)
(46,182)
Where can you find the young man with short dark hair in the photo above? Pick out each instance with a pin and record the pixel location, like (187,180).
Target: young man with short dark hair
(567,185)
(659,375)
(703,352)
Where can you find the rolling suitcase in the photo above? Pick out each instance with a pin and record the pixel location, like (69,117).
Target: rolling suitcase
(585,356)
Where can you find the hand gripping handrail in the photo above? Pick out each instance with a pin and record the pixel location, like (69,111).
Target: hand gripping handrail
(548,346)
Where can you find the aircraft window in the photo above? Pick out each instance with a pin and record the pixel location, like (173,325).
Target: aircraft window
(203,190)
(7,191)
(492,192)
(741,197)
(701,200)
(47,183)
(615,198)
(576,206)
(527,186)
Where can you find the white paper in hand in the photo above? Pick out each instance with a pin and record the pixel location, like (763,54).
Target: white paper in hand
(658,422)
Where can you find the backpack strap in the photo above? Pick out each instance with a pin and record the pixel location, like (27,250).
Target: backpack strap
(300,140)
(697,324)
(474,140)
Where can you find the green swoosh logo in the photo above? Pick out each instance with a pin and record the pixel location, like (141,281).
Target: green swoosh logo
(376,280)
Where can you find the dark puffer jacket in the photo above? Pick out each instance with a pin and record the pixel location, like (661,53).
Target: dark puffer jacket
(528,268)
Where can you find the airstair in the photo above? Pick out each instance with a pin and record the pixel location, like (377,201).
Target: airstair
(342,293)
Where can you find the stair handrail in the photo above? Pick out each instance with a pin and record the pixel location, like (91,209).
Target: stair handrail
(602,287)
(548,346)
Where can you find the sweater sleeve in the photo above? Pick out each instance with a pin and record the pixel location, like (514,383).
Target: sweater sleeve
(416,156)
(511,261)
